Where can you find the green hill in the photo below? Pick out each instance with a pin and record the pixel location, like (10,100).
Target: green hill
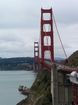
(41,90)
(73,59)
(20,63)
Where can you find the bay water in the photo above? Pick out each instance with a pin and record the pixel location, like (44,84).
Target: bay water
(9,83)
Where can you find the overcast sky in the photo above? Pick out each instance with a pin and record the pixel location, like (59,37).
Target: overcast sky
(20,25)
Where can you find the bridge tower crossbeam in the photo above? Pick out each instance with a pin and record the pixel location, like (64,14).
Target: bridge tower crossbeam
(45,33)
(36,55)
(50,48)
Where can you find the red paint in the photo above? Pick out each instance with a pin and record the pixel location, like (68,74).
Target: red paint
(44,33)
(36,55)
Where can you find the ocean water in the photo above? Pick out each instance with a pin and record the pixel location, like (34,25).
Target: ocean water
(9,83)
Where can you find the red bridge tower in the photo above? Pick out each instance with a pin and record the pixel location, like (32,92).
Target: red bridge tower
(47,23)
(36,55)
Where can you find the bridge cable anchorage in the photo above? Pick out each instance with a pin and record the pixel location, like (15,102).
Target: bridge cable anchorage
(59,36)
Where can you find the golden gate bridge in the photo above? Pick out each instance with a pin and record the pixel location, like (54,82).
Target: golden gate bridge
(39,55)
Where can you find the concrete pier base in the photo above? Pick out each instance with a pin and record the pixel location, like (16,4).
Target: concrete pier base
(54,85)
(61,88)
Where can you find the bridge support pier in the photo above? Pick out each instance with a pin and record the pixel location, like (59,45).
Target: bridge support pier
(54,85)
(61,88)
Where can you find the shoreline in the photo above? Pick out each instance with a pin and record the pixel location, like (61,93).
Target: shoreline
(41,93)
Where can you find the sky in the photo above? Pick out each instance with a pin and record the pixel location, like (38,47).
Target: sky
(20,26)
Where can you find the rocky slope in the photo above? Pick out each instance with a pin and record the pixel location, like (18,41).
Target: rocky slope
(73,59)
(41,94)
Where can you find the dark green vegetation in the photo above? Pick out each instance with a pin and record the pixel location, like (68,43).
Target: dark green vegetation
(73,59)
(20,63)
(41,90)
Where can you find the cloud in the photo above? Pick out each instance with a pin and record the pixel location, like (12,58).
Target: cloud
(66,11)
(20,25)
(17,42)
(18,14)
(69,37)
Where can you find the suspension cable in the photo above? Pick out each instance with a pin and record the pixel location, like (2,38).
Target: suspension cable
(59,37)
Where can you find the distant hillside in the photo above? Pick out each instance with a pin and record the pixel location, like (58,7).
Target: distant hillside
(20,63)
(73,59)
(59,59)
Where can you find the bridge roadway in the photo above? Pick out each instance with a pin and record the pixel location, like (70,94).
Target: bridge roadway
(59,91)
(55,68)
(60,67)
